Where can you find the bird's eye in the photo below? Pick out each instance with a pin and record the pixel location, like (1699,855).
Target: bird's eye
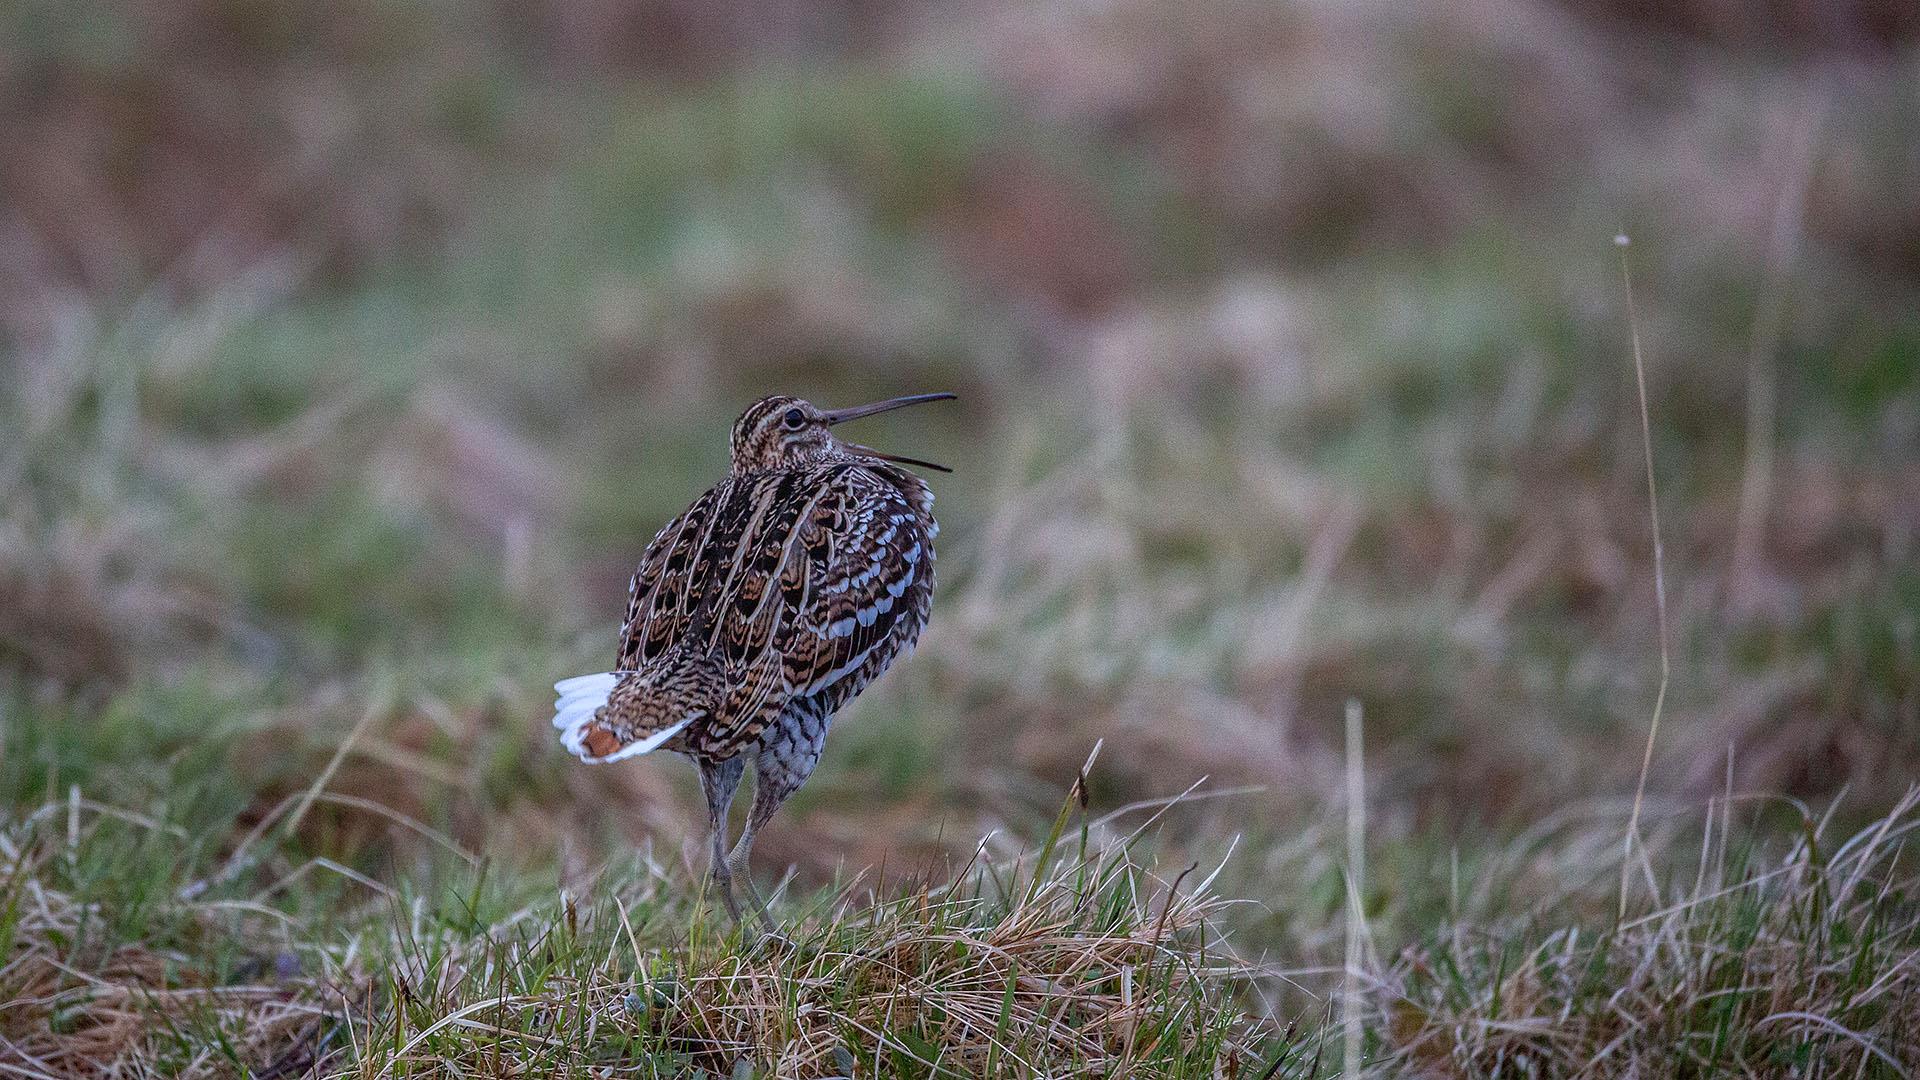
(794,420)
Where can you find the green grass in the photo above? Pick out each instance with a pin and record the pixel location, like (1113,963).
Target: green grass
(197,936)
(181,945)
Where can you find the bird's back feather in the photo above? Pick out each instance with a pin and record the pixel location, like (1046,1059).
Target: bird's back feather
(785,584)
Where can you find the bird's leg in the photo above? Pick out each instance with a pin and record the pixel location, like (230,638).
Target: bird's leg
(738,866)
(719,780)
(776,775)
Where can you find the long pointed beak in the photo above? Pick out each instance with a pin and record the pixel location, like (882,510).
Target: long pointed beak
(841,416)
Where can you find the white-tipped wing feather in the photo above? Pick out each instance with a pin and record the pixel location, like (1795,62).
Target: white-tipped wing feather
(581,697)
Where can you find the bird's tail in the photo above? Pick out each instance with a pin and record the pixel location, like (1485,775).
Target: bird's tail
(619,714)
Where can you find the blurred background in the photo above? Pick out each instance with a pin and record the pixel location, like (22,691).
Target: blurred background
(353,352)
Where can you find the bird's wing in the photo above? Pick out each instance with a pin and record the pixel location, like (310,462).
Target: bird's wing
(833,578)
(666,677)
(670,582)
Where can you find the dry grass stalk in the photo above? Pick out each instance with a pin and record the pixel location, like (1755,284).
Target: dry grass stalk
(1659,584)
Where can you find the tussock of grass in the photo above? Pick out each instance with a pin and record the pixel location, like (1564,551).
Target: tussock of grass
(944,981)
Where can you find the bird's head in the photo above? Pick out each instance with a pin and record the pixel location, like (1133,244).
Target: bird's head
(781,432)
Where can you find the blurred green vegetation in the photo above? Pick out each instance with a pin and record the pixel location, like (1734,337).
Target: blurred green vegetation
(351,355)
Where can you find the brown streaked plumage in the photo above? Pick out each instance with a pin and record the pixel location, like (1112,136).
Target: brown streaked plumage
(756,614)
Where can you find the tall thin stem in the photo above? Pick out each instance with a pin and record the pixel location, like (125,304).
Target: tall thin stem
(1659,575)
(1356,879)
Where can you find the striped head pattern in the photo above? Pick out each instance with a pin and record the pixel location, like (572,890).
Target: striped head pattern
(781,432)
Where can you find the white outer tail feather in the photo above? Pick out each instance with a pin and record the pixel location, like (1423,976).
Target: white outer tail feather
(581,697)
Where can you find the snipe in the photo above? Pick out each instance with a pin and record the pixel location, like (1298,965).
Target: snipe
(760,611)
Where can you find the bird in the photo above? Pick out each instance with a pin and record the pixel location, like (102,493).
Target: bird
(759,612)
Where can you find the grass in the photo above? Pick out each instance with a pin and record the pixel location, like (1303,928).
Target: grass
(133,945)
(1792,962)
(175,945)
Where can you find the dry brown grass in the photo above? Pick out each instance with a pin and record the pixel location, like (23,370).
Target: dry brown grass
(1802,965)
